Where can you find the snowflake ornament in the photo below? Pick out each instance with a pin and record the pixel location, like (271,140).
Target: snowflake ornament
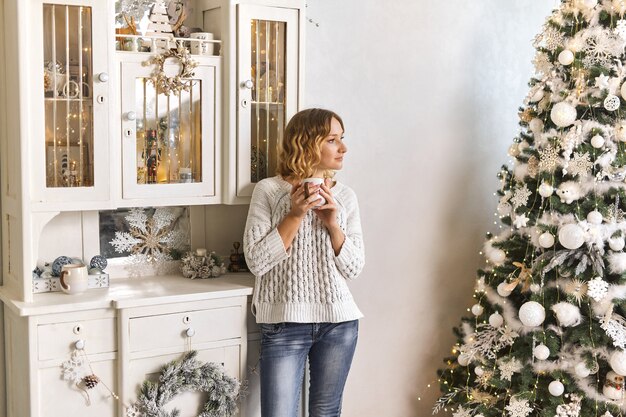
(520,198)
(600,46)
(462,412)
(571,409)
(73,369)
(615,329)
(548,158)
(507,369)
(518,408)
(551,39)
(542,63)
(151,238)
(581,165)
(597,289)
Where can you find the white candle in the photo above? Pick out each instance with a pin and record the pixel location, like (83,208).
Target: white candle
(201,252)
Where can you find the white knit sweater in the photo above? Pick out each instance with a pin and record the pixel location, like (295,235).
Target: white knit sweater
(306,284)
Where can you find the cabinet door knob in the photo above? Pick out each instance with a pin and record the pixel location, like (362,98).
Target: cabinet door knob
(131,115)
(103,77)
(190,332)
(247,84)
(80,344)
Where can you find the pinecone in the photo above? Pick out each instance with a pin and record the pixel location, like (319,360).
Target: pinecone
(91,381)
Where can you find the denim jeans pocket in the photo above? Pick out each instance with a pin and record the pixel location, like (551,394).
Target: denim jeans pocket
(271,329)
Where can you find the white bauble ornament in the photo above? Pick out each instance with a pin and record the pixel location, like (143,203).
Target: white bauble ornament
(611,102)
(537,96)
(532,314)
(536,125)
(571,236)
(563,114)
(594,217)
(523,145)
(497,256)
(597,141)
(496,319)
(502,290)
(556,388)
(477,309)
(479,371)
(567,314)
(546,240)
(545,190)
(617,243)
(541,352)
(623,91)
(514,150)
(566,57)
(618,362)
(463,359)
(582,370)
(535,288)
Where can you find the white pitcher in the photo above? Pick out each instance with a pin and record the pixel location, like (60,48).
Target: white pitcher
(74,278)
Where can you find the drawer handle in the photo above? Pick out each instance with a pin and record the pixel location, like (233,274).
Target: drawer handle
(190,332)
(80,344)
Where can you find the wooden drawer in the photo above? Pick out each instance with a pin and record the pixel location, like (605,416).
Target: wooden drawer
(170,330)
(56,340)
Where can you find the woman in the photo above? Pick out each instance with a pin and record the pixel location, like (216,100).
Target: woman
(302,253)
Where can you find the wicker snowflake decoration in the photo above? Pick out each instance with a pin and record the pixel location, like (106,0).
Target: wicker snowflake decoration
(151,239)
(180,82)
(201,265)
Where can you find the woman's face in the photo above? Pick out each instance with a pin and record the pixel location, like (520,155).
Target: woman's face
(333,148)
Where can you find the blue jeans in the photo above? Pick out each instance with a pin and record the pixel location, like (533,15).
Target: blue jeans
(284,351)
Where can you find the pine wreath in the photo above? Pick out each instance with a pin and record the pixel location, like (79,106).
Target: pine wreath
(188,374)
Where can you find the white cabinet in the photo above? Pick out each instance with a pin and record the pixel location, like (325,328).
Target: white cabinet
(128,333)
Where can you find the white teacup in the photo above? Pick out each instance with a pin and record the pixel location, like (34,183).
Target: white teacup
(311,182)
(74,278)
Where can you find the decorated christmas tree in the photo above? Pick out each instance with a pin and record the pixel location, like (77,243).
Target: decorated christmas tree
(547,334)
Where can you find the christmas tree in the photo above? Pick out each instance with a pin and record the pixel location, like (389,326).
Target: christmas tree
(547,334)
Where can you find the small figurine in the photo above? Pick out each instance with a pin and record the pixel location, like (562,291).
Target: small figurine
(237,260)
(613,386)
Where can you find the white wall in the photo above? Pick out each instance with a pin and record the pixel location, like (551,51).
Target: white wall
(429,93)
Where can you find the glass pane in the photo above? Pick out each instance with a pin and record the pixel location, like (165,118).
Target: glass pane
(67,94)
(169,134)
(268,95)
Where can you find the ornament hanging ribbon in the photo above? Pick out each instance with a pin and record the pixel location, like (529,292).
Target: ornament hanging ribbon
(524,277)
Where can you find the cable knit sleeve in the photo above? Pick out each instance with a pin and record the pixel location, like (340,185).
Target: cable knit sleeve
(351,258)
(262,244)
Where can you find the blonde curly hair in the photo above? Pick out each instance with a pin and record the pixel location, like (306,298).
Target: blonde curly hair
(301,147)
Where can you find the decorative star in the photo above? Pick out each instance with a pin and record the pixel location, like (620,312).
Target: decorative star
(602,81)
(520,221)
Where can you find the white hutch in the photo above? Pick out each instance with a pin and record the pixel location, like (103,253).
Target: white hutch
(84,129)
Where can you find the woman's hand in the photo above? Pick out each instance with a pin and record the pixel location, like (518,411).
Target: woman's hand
(300,205)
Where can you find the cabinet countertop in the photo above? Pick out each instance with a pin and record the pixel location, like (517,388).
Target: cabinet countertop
(135,292)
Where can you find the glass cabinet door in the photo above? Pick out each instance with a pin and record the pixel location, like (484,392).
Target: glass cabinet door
(268,89)
(68,70)
(168,139)
(71,144)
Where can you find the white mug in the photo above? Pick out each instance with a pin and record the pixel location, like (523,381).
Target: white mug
(307,182)
(200,47)
(74,278)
